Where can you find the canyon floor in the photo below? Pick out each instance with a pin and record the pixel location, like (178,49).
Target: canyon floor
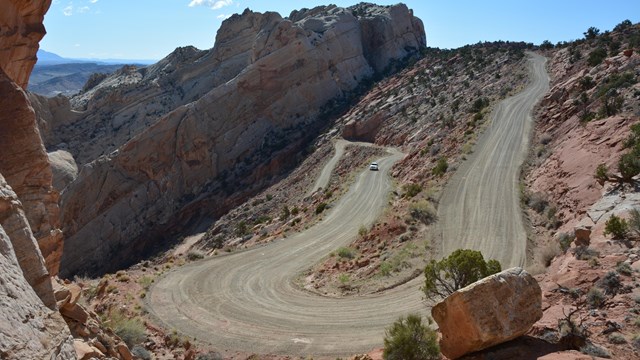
(261,310)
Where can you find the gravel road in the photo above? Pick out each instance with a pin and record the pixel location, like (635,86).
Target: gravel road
(479,208)
(246,300)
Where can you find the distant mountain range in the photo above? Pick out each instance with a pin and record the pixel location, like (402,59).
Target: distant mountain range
(54,74)
(49,58)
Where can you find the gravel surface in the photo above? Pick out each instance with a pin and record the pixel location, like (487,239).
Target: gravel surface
(247,301)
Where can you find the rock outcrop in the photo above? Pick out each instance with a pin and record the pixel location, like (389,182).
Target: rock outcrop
(28,329)
(22,28)
(491,311)
(25,166)
(30,325)
(267,80)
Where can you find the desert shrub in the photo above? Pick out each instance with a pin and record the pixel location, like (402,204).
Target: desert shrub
(461,268)
(210,356)
(362,231)
(422,211)
(141,353)
(584,253)
(479,104)
(629,165)
(285,213)
(602,173)
(295,211)
(145,282)
(411,190)
(587,83)
(409,339)
(441,167)
(611,283)
(595,297)
(321,207)
(624,269)
(130,330)
(617,227)
(634,221)
(594,350)
(565,240)
(617,338)
(596,56)
(346,253)
(537,202)
(385,268)
(241,229)
(611,105)
(195,255)
(343,278)
(616,81)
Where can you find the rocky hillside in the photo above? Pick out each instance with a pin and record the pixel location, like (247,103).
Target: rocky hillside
(582,173)
(187,138)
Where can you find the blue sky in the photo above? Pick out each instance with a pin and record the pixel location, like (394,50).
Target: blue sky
(151,29)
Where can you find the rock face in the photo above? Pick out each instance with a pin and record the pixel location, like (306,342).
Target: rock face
(213,124)
(22,30)
(63,168)
(28,329)
(24,162)
(491,311)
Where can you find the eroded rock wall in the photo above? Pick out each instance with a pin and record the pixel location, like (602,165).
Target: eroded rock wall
(272,76)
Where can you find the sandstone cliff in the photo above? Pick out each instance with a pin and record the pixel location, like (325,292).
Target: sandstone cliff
(214,124)
(30,327)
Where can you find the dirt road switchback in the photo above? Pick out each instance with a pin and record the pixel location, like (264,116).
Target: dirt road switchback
(479,208)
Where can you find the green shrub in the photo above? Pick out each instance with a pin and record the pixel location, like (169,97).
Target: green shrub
(591,33)
(595,297)
(624,269)
(597,56)
(385,268)
(441,167)
(617,227)
(409,339)
(130,330)
(616,81)
(346,253)
(422,211)
(602,173)
(343,278)
(617,338)
(634,221)
(463,267)
(411,190)
(285,213)
(195,255)
(320,208)
(362,231)
(145,282)
(629,165)
(611,283)
(594,350)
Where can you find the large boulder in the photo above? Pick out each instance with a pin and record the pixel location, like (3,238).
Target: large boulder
(491,311)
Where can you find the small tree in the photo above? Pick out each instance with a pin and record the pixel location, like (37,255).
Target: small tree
(629,165)
(546,45)
(409,339)
(616,227)
(591,33)
(463,267)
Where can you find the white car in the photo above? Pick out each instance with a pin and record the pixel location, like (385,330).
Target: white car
(373,166)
